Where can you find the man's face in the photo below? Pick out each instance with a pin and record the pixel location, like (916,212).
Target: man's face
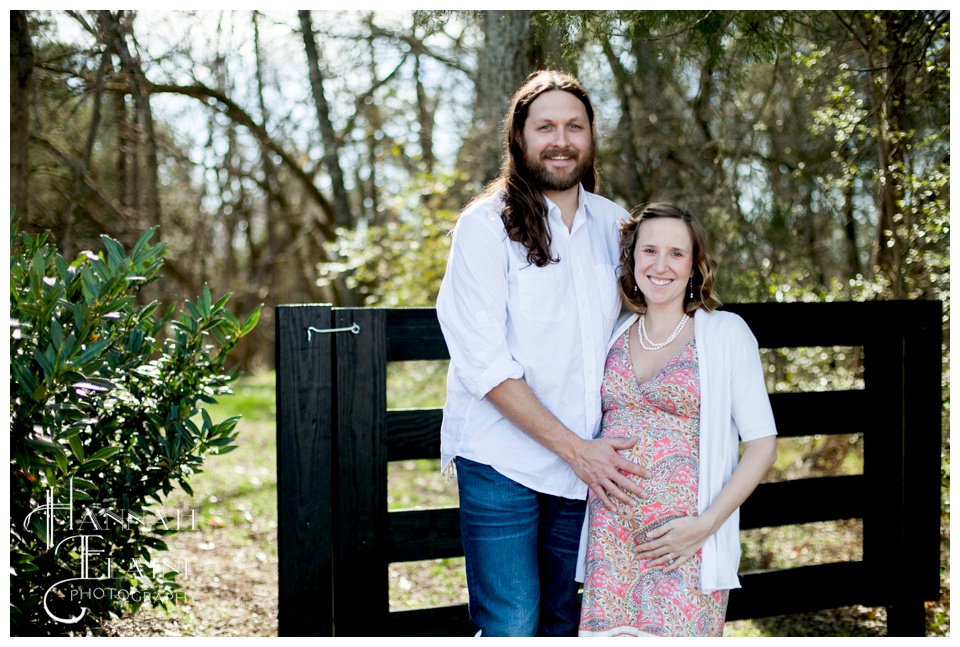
(557,140)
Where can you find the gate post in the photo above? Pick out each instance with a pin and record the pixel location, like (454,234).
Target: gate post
(918,534)
(304,470)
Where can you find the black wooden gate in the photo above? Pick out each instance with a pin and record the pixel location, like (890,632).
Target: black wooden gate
(335,438)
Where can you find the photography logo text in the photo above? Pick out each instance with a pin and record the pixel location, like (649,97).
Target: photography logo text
(72,533)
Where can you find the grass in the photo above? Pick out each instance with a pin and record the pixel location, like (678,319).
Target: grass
(240,488)
(233,585)
(420,484)
(229,559)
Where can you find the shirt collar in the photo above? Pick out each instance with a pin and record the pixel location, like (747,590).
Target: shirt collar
(553,211)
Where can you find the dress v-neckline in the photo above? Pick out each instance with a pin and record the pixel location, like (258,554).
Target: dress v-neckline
(633,368)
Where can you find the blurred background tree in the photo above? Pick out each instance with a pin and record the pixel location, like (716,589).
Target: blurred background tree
(285,156)
(322,156)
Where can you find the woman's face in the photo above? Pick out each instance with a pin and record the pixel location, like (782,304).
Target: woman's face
(663,261)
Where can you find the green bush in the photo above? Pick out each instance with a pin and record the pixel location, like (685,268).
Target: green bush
(104,395)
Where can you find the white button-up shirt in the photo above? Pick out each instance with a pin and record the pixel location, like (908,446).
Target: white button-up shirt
(503,317)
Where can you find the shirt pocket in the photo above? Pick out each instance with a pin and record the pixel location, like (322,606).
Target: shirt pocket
(607,287)
(541,291)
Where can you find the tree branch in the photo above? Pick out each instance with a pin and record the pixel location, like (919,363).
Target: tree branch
(230,108)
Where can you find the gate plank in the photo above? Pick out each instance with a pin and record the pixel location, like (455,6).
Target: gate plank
(304,466)
(361,602)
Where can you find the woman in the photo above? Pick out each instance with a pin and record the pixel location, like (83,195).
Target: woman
(686,382)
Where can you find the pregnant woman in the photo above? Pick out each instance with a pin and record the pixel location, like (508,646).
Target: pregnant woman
(686,381)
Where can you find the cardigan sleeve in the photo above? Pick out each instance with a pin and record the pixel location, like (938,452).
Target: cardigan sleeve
(734,406)
(749,401)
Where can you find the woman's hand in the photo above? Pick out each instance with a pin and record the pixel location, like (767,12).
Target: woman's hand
(680,539)
(674,542)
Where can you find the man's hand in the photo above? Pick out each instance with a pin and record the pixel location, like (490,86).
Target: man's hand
(598,464)
(595,462)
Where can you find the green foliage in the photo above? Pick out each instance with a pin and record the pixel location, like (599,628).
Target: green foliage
(920,227)
(400,263)
(101,427)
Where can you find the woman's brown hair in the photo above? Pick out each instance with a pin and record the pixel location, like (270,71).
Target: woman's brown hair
(704,265)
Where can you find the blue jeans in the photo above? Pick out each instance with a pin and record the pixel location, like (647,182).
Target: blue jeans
(521,554)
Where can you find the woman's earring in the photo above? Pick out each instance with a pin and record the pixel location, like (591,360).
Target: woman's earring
(636,290)
(691,288)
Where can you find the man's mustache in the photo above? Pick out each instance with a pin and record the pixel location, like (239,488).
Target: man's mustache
(572,153)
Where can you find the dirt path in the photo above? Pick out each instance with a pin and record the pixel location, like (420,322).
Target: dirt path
(229,590)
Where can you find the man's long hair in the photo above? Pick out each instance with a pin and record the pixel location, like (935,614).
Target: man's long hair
(524,212)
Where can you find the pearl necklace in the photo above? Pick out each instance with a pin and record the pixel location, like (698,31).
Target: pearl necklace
(645,339)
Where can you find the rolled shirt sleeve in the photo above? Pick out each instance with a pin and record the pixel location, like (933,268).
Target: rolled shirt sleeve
(472,306)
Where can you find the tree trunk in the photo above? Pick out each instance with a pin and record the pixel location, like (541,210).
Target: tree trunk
(425,111)
(700,107)
(370,195)
(148,206)
(627,176)
(850,232)
(125,146)
(816,259)
(21,81)
(552,48)
(504,63)
(81,169)
(890,99)
(270,207)
(343,216)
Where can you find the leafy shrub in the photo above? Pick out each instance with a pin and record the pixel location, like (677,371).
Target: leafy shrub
(401,262)
(103,424)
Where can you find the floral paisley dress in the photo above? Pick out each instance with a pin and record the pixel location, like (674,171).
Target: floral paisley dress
(622,595)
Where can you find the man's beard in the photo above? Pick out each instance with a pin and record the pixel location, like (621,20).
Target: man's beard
(552,180)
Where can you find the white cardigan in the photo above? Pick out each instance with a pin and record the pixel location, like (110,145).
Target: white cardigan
(734,406)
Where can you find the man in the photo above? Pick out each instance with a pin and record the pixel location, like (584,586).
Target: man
(527,304)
